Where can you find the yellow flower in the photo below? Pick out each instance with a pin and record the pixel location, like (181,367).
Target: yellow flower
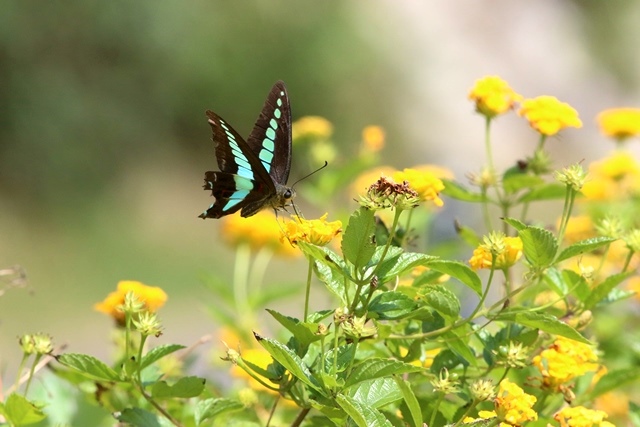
(493,96)
(259,231)
(549,116)
(311,127)
(507,250)
(372,139)
(613,178)
(316,231)
(614,403)
(425,183)
(257,356)
(563,361)
(619,123)
(513,405)
(580,416)
(152,297)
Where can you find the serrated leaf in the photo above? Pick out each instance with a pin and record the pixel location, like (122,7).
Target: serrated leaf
(89,366)
(210,408)
(442,300)
(376,368)
(459,192)
(185,387)
(19,411)
(545,322)
(334,281)
(601,291)
(362,415)
(376,393)
(550,191)
(305,333)
(158,353)
(391,305)
(539,246)
(515,223)
(358,243)
(291,361)
(584,246)
(396,266)
(138,417)
(555,280)
(411,401)
(458,271)
(515,180)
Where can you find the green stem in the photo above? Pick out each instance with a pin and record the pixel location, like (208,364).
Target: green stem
(435,408)
(240,281)
(31,372)
(334,368)
(474,403)
(20,369)
(259,267)
(143,339)
(392,235)
(541,142)
(158,407)
(308,291)
(487,142)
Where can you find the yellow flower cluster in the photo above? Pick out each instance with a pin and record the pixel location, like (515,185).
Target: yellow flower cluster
(316,231)
(563,361)
(372,139)
(423,182)
(259,231)
(311,127)
(548,115)
(151,296)
(620,123)
(508,251)
(493,96)
(513,405)
(613,178)
(580,416)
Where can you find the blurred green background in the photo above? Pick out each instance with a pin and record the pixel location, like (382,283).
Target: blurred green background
(104,142)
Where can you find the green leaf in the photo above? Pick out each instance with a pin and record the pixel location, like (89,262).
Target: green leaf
(363,416)
(138,417)
(468,235)
(601,291)
(515,223)
(376,393)
(556,281)
(539,246)
(396,266)
(411,401)
(442,300)
(544,322)
(358,243)
(459,192)
(305,333)
(158,353)
(89,366)
(210,408)
(377,368)
(612,381)
(584,246)
(334,281)
(185,387)
(460,347)
(515,180)
(287,358)
(458,271)
(391,305)
(18,411)
(549,191)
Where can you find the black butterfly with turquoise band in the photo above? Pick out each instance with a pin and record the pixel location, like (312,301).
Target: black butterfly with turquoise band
(253,174)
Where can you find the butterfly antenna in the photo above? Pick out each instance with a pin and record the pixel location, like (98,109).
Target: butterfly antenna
(308,175)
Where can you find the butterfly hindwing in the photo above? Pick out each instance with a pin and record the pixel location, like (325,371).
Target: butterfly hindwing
(252,174)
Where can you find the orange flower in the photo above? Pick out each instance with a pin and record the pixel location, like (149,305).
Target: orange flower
(151,296)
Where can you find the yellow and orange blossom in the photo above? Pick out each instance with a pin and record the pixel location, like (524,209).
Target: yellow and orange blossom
(311,127)
(563,361)
(548,115)
(258,231)
(152,297)
(507,250)
(318,232)
(580,416)
(620,123)
(423,182)
(493,96)
(372,139)
(513,405)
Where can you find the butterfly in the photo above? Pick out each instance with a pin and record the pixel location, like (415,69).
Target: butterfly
(253,174)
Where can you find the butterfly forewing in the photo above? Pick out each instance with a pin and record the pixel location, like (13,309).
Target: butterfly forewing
(270,139)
